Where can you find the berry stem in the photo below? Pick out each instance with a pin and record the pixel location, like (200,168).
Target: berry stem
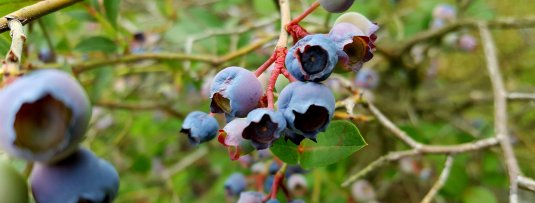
(307,12)
(278,181)
(280,56)
(285,20)
(11,65)
(266,65)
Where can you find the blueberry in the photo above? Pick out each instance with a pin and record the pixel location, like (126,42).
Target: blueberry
(199,127)
(273,201)
(81,177)
(363,191)
(274,167)
(235,91)
(367,78)
(307,107)
(13,187)
(250,197)
(467,42)
(263,127)
(297,182)
(43,116)
(235,184)
(232,137)
(268,182)
(46,55)
(358,20)
(312,58)
(354,46)
(445,12)
(336,6)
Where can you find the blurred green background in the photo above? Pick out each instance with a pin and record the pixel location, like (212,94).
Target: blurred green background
(139,106)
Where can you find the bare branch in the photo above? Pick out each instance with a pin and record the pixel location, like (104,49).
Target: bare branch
(440,182)
(526,183)
(32,12)
(390,157)
(500,110)
(520,96)
(284,6)
(140,107)
(392,127)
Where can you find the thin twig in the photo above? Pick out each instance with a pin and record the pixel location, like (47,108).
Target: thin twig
(140,107)
(526,183)
(214,60)
(440,182)
(34,11)
(392,127)
(520,96)
(185,162)
(500,110)
(390,157)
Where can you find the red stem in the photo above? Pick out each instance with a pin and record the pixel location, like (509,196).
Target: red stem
(266,65)
(280,56)
(306,13)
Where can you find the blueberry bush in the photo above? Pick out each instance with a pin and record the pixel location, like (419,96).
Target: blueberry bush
(259,101)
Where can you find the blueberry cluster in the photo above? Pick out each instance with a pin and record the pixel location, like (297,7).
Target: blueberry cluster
(43,118)
(304,107)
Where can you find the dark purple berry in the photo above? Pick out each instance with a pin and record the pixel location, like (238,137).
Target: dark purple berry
(336,6)
(235,91)
(263,127)
(199,127)
(307,107)
(43,116)
(81,177)
(312,58)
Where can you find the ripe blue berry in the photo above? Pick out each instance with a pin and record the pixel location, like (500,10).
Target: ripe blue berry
(263,127)
(273,201)
(43,116)
(250,197)
(307,107)
(355,47)
(235,91)
(294,137)
(81,177)
(199,127)
(367,78)
(336,6)
(13,187)
(235,184)
(312,58)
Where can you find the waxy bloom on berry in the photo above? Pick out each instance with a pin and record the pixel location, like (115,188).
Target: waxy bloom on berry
(312,58)
(307,107)
(263,127)
(81,177)
(235,184)
(235,91)
(336,6)
(199,127)
(43,116)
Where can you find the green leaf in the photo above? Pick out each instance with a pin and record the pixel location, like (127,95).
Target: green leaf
(97,43)
(112,10)
(479,194)
(341,139)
